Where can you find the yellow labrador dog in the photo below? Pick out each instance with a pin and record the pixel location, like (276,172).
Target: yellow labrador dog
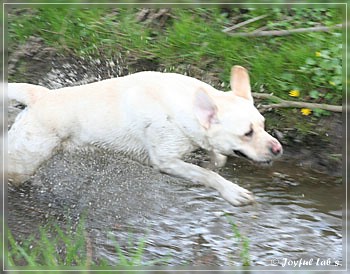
(154,117)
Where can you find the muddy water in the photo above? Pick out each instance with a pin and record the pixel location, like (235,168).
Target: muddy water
(298,213)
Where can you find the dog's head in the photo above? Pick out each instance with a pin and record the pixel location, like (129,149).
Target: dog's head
(233,125)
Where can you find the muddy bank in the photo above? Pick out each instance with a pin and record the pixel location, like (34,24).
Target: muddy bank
(314,142)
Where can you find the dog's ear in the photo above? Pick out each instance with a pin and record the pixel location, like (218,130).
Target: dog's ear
(205,109)
(240,83)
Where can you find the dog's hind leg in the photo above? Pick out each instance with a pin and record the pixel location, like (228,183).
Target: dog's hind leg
(29,145)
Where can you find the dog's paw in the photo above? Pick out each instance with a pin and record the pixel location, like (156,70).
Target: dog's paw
(237,195)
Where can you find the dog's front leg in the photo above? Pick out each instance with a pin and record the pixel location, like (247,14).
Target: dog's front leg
(231,192)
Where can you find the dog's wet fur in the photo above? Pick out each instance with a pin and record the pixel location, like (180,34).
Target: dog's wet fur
(154,117)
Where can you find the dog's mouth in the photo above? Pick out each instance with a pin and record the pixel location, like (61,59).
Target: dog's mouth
(242,155)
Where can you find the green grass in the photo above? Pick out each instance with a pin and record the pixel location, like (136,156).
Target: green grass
(194,37)
(57,247)
(54,248)
(80,31)
(243,244)
(64,248)
(133,255)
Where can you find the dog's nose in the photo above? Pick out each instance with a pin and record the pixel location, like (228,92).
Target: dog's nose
(276,148)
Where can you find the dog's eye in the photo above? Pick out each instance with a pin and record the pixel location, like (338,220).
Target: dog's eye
(249,133)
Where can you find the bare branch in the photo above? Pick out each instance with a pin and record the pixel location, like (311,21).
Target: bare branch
(245,23)
(283,32)
(288,104)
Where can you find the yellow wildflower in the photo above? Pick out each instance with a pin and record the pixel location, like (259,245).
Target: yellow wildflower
(318,54)
(331,83)
(306,111)
(294,93)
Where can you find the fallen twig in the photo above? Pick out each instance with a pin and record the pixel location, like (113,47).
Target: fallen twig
(245,23)
(287,104)
(283,32)
(266,27)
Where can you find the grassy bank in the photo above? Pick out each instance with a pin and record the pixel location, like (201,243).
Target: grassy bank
(309,63)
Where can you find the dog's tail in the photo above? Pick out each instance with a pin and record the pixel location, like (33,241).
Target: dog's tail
(27,94)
